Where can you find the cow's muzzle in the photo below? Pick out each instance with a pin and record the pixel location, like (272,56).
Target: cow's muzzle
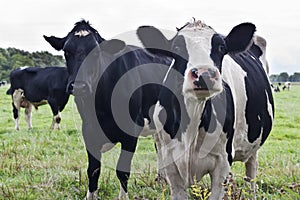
(205,81)
(78,88)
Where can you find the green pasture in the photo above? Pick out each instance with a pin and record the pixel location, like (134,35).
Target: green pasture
(44,164)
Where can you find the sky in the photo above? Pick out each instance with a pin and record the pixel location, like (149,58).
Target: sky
(24,22)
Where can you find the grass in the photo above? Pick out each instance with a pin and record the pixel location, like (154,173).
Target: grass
(44,164)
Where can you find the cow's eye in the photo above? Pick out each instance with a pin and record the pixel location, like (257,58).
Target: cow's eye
(222,49)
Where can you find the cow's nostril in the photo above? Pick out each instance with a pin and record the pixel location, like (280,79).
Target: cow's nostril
(194,73)
(212,73)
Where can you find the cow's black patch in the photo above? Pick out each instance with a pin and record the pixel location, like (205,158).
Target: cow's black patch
(220,109)
(259,95)
(218,50)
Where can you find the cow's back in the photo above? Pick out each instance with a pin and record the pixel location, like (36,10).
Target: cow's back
(38,83)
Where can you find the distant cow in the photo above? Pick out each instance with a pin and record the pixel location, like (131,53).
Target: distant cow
(35,86)
(114,85)
(216,106)
(3,83)
(287,86)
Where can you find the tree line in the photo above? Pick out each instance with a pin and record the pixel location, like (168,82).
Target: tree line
(283,77)
(12,58)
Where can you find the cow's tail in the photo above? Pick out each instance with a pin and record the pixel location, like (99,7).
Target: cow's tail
(9,91)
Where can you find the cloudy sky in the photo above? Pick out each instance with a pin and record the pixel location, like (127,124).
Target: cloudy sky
(24,22)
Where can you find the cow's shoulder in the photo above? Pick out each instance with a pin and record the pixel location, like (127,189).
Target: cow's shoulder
(32,69)
(173,114)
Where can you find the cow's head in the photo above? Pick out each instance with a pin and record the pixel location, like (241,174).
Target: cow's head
(198,52)
(82,49)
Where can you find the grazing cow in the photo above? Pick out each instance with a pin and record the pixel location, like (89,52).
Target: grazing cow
(38,86)
(114,85)
(3,83)
(216,105)
(275,88)
(287,85)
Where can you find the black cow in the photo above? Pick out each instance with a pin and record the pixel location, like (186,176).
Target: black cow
(38,86)
(216,105)
(114,85)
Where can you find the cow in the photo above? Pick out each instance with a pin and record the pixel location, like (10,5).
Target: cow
(36,86)
(287,85)
(115,85)
(215,106)
(3,83)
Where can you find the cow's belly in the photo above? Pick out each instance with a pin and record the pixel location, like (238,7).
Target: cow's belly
(40,103)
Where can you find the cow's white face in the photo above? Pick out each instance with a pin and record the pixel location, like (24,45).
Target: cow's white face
(202,77)
(198,52)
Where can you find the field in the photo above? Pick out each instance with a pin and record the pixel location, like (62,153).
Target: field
(44,164)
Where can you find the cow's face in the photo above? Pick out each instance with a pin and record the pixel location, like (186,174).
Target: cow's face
(198,52)
(82,50)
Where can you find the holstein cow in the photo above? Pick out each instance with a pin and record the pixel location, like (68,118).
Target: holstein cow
(38,86)
(216,105)
(287,85)
(114,85)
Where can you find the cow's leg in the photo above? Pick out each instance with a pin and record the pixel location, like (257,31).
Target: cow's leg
(218,177)
(251,170)
(57,119)
(16,112)
(124,166)
(56,115)
(93,171)
(28,115)
(176,182)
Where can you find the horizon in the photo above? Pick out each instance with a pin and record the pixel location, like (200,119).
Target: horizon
(26,22)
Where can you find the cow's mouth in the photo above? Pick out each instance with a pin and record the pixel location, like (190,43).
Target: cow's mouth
(79,88)
(201,89)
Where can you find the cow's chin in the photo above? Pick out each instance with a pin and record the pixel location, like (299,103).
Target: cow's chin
(81,89)
(203,94)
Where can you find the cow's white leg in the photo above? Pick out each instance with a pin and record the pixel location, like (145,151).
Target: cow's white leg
(176,182)
(251,170)
(123,195)
(218,177)
(17,124)
(56,119)
(91,195)
(28,115)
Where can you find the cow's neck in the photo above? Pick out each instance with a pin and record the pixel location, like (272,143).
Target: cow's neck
(194,108)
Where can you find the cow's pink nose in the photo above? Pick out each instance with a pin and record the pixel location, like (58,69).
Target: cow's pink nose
(204,78)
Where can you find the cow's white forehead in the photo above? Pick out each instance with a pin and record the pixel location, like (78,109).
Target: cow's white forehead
(198,38)
(82,33)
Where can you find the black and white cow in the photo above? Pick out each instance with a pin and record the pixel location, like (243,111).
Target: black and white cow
(35,86)
(287,86)
(114,85)
(216,105)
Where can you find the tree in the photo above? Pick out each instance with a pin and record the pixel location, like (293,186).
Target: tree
(295,77)
(12,58)
(283,77)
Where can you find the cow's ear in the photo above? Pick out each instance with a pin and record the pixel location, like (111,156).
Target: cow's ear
(55,42)
(112,46)
(240,37)
(154,40)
